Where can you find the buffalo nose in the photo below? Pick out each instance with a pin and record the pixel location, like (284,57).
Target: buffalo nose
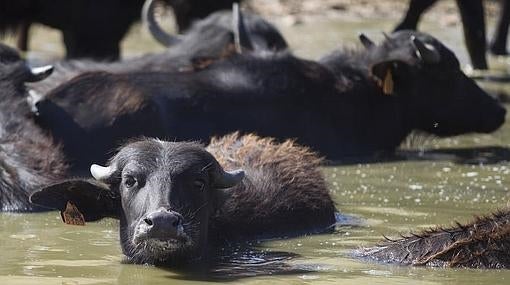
(493,120)
(163,224)
(502,112)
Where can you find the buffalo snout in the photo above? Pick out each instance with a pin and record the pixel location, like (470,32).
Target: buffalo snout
(492,121)
(162,224)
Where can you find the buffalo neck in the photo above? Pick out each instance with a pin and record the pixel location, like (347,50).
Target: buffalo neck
(367,120)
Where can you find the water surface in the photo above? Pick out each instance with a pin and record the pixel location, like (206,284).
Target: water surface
(385,198)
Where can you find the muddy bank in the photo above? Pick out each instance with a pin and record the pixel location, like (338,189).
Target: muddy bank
(298,11)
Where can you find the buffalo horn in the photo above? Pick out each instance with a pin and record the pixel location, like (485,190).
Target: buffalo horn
(426,52)
(365,41)
(101,173)
(226,179)
(40,73)
(155,29)
(241,39)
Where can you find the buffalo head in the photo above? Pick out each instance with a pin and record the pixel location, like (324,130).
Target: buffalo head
(162,192)
(426,79)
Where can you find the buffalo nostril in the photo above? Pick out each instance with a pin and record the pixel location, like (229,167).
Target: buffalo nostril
(148,221)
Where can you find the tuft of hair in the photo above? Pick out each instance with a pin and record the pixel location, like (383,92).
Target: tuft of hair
(283,188)
(236,150)
(483,243)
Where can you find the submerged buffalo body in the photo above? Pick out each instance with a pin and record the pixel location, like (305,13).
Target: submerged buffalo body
(29,159)
(175,198)
(349,104)
(483,244)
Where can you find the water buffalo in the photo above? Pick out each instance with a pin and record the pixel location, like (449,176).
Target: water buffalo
(349,104)
(173,199)
(218,36)
(483,243)
(29,158)
(87,26)
(472,14)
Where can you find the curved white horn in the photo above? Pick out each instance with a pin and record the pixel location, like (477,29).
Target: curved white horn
(40,73)
(154,28)
(101,173)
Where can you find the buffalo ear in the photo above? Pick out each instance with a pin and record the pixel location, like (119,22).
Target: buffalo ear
(86,200)
(384,73)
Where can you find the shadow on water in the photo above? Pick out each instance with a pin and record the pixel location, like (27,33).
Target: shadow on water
(229,264)
(463,155)
(250,259)
(244,261)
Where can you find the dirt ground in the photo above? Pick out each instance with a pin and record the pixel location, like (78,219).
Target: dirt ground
(294,12)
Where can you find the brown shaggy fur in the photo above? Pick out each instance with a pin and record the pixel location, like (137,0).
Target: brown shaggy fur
(483,243)
(282,181)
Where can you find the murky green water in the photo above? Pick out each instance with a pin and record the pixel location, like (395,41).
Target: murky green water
(388,198)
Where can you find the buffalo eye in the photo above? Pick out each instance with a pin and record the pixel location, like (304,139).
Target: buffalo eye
(199,184)
(130,181)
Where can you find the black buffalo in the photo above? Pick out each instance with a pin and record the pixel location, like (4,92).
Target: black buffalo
(220,35)
(29,158)
(175,200)
(90,28)
(349,104)
(93,28)
(472,14)
(483,244)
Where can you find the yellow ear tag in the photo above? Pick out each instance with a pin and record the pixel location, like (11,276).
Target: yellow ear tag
(72,216)
(388,83)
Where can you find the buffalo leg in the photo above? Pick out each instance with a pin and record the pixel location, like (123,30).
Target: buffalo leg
(85,45)
(414,12)
(498,44)
(472,14)
(22,41)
